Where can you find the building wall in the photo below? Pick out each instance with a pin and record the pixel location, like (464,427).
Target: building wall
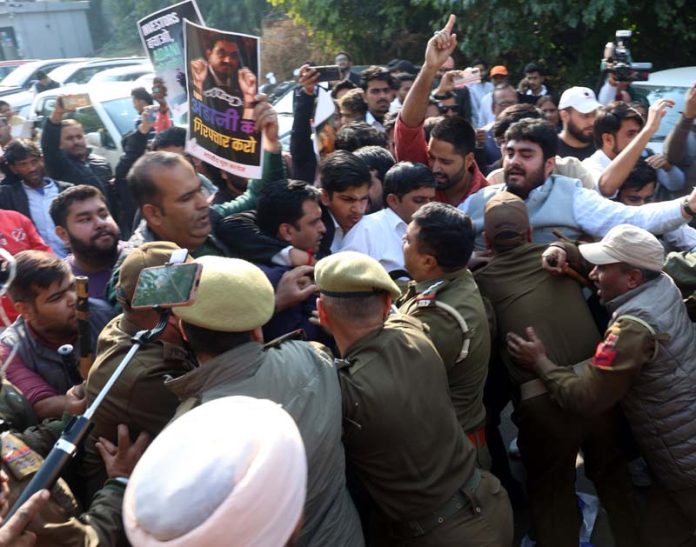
(46,30)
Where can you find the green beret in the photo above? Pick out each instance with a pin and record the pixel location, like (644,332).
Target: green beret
(351,274)
(233,296)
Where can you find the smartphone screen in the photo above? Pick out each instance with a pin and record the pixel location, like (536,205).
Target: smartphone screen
(167,286)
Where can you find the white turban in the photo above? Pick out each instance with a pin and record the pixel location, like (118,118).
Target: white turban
(232,472)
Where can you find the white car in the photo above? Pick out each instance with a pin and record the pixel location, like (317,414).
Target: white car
(123,73)
(667,84)
(106,120)
(81,73)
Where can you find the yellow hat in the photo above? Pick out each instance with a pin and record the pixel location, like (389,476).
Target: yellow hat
(351,274)
(233,296)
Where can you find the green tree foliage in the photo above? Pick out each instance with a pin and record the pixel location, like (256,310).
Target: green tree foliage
(569,36)
(122,38)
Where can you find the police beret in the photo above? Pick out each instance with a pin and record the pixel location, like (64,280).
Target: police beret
(148,255)
(352,274)
(233,296)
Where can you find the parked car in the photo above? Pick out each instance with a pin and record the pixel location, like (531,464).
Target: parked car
(8,66)
(123,73)
(24,76)
(667,84)
(81,73)
(106,120)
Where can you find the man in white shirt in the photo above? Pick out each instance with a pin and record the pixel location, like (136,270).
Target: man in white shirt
(407,187)
(379,88)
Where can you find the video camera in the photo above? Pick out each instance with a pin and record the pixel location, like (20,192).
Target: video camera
(617,60)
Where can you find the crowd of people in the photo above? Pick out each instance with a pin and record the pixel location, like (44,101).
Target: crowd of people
(366,311)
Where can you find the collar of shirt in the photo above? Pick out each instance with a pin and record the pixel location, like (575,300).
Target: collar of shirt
(446,276)
(48,185)
(600,158)
(394,220)
(541,93)
(338,235)
(374,122)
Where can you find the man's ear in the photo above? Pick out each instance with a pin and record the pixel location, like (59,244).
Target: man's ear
(468,160)
(152,214)
(386,306)
(391,200)
(62,233)
(25,309)
(325,199)
(285,231)
(321,311)
(564,116)
(635,278)
(257,335)
(549,166)
(608,141)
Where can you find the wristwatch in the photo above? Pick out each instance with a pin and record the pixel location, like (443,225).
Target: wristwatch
(688,210)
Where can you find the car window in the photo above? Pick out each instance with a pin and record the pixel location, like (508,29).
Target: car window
(654,94)
(122,113)
(89,118)
(83,75)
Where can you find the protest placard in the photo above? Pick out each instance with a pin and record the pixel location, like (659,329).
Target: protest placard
(222,73)
(162,33)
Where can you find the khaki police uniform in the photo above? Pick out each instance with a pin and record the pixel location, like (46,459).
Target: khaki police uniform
(60,521)
(522,294)
(407,447)
(458,327)
(401,433)
(139,398)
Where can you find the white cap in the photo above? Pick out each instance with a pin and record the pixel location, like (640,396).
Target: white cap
(582,99)
(628,244)
(230,472)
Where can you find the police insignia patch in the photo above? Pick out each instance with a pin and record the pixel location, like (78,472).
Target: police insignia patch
(605,355)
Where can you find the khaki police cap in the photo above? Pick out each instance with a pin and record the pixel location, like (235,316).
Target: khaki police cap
(148,255)
(351,274)
(233,296)
(505,219)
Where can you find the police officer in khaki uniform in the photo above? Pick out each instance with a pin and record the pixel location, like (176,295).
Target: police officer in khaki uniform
(139,397)
(444,295)
(522,293)
(646,361)
(223,326)
(60,521)
(400,430)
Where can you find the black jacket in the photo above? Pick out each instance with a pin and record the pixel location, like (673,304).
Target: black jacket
(14,198)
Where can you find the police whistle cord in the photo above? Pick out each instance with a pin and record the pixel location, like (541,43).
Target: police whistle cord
(77,429)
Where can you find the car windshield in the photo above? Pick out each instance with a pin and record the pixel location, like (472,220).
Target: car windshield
(19,76)
(654,94)
(122,113)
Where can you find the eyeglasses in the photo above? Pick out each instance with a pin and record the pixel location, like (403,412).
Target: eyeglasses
(444,109)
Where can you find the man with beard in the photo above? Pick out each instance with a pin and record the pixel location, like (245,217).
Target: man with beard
(223,69)
(43,292)
(578,106)
(30,192)
(378,84)
(558,203)
(450,152)
(87,228)
(646,362)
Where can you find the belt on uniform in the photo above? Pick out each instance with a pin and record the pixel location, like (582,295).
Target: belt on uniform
(463,497)
(536,387)
(478,437)
(531,389)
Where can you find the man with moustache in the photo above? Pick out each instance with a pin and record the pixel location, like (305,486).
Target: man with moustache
(558,203)
(578,107)
(30,191)
(43,292)
(85,225)
(646,362)
(378,85)
(450,152)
